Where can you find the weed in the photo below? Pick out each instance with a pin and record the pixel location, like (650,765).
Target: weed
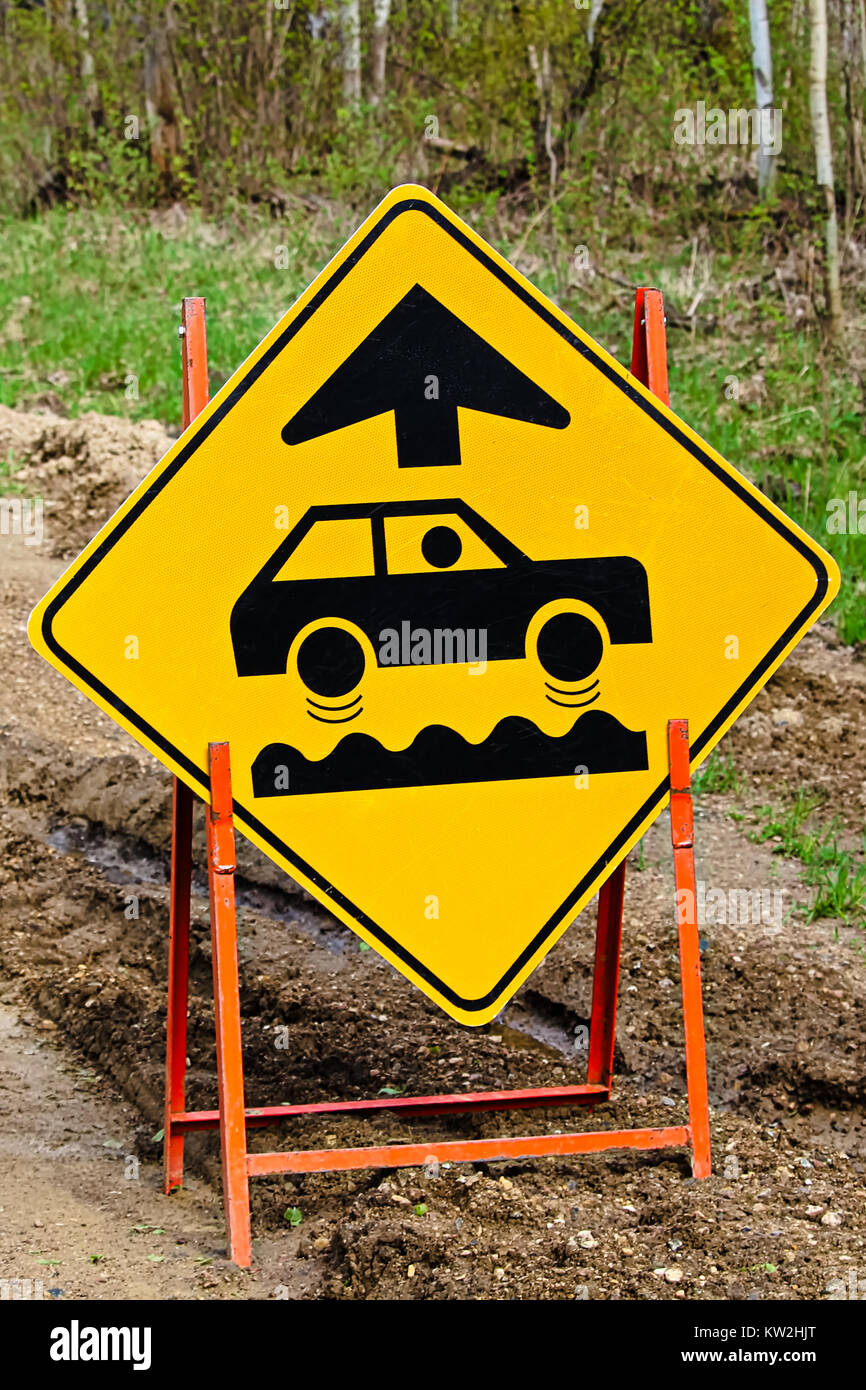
(717,774)
(837,874)
(8,466)
(787,826)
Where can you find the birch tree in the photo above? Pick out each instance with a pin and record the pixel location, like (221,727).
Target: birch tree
(379,50)
(762,66)
(824,157)
(542,74)
(87,66)
(350,50)
(594,17)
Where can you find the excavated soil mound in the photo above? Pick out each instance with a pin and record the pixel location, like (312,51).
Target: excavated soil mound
(83,469)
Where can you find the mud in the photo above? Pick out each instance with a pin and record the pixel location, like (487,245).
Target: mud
(809,728)
(84,837)
(87,1214)
(82,469)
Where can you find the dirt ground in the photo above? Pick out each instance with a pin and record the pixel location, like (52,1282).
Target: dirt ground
(84,835)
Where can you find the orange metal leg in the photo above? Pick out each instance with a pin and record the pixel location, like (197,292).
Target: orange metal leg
(605,980)
(649,356)
(227,1007)
(682,837)
(193,336)
(178,971)
(649,363)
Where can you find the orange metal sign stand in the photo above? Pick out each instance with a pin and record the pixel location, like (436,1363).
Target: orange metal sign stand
(233,1118)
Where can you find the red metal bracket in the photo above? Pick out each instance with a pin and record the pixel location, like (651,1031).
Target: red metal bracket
(649,363)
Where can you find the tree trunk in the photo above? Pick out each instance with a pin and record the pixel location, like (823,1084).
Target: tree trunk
(762,64)
(541,71)
(795,41)
(851,14)
(87,67)
(594,17)
(350,54)
(824,157)
(159,107)
(453,17)
(379,49)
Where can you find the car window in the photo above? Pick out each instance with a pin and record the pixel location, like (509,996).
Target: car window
(336,548)
(438,543)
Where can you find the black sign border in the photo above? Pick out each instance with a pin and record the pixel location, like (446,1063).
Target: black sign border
(652,803)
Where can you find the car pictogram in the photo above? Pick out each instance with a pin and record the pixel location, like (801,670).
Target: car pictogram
(434,565)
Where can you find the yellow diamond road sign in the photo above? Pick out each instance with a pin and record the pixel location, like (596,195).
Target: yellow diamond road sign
(440,571)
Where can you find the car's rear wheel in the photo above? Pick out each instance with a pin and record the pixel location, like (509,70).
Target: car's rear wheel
(570,647)
(331,662)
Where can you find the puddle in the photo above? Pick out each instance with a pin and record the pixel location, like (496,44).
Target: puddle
(532,1023)
(123,860)
(524,1041)
(315,922)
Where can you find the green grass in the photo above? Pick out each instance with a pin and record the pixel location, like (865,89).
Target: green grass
(841,889)
(90,303)
(802,440)
(717,774)
(789,827)
(8,468)
(836,874)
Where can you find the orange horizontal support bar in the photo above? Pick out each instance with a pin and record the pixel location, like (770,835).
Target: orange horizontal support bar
(466,1151)
(186,1120)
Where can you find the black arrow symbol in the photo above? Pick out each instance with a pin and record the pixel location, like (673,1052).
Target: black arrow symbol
(423,362)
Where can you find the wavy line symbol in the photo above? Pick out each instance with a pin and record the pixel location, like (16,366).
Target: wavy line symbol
(439,756)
